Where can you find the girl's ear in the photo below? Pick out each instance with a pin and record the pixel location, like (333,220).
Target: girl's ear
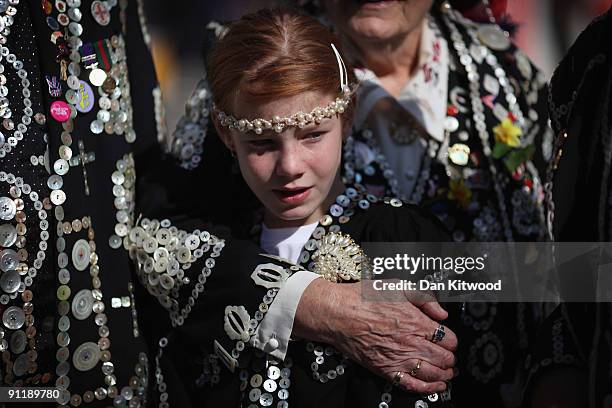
(224,133)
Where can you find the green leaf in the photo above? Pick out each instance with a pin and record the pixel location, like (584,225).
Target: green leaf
(500,149)
(517,157)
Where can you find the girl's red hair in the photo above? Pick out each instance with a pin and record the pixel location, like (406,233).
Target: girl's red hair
(273,53)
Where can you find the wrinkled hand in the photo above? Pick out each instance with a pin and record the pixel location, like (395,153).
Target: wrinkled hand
(383,336)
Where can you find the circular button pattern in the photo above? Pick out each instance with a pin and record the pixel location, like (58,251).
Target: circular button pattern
(63,292)
(86,356)
(254,394)
(8,235)
(8,260)
(13,318)
(270,385)
(266,399)
(20,367)
(18,342)
(494,37)
(10,281)
(58,197)
(7,208)
(63,323)
(81,254)
(114,241)
(274,372)
(61,167)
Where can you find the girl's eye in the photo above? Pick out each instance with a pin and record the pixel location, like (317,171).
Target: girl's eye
(314,136)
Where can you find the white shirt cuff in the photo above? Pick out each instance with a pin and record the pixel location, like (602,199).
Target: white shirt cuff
(273,333)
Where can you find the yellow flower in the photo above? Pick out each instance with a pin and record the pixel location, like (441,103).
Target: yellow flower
(508,133)
(459,192)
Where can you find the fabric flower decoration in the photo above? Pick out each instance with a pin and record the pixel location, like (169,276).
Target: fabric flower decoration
(459,192)
(508,133)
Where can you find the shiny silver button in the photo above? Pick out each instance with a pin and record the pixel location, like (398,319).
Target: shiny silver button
(283,394)
(420,404)
(58,197)
(61,167)
(256,380)
(7,208)
(285,373)
(20,367)
(75,28)
(18,342)
(55,182)
(63,339)
(8,260)
(86,356)
(336,210)
(114,241)
(81,254)
(63,324)
(73,82)
(266,399)
(13,318)
(274,372)
(96,127)
(10,281)
(285,382)
(103,116)
(270,385)
(63,276)
(254,394)
(433,397)
(192,242)
(117,177)
(72,97)
(8,235)
(166,281)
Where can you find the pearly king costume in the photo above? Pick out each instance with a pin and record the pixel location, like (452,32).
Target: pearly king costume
(73,120)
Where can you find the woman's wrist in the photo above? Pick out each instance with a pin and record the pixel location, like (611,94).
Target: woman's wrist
(321,311)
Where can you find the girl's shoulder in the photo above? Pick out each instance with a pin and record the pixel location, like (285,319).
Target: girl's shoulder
(391,220)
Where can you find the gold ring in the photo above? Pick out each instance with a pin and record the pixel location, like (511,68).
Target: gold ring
(398,377)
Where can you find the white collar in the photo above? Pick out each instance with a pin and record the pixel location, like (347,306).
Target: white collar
(425,98)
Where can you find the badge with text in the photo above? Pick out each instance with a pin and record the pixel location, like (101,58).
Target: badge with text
(86,98)
(60,111)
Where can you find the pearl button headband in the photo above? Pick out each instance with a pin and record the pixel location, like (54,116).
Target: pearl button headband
(299,119)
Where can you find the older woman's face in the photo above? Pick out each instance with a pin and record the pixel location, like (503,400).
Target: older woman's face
(375,21)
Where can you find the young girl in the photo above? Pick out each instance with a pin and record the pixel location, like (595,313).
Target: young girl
(282,106)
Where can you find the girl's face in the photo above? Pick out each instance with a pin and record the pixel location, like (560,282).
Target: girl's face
(295,173)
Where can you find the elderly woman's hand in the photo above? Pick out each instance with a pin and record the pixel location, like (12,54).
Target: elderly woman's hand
(386,337)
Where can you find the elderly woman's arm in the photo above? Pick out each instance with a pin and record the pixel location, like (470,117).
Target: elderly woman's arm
(385,337)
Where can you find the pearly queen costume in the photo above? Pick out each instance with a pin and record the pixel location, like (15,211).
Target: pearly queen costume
(467,139)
